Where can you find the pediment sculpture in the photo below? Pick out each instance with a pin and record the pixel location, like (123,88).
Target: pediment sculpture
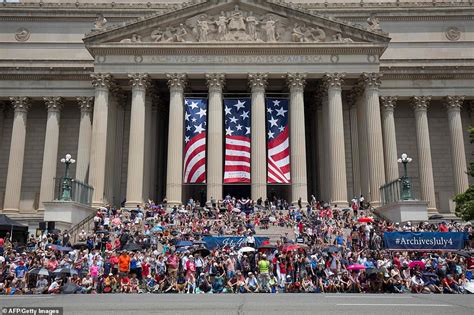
(238,25)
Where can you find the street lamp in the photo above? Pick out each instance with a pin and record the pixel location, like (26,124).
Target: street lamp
(66,187)
(406,183)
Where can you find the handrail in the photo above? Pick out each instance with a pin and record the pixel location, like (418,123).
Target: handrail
(74,229)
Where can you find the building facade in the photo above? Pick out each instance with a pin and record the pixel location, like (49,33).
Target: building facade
(106,82)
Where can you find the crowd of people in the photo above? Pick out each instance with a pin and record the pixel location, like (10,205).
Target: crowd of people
(157,249)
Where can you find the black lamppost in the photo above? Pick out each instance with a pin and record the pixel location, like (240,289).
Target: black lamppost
(406,184)
(66,186)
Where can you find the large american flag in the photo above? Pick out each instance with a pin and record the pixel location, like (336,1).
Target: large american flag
(195,130)
(278,142)
(237,140)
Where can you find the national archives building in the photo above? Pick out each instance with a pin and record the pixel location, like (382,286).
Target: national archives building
(107,82)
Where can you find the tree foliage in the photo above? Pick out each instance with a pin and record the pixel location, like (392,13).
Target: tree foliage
(465,201)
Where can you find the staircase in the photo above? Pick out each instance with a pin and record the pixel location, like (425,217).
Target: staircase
(87,224)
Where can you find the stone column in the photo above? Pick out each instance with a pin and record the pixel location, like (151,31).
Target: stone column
(137,143)
(420,104)
(215,127)
(354,144)
(258,83)
(321,152)
(98,157)
(374,136)
(337,154)
(174,175)
(299,185)
(84,142)
(147,174)
(456,133)
(21,106)
(389,138)
(325,181)
(154,146)
(2,118)
(362,141)
(314,145)
(50,153)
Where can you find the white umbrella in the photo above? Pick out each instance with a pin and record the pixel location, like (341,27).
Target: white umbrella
(469,286)
(246,249)
(236,210)
(183,211)
(103,208)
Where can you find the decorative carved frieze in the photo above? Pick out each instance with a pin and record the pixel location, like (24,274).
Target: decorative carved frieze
(139,80)
(215,80)
(453,33)
(420,102)
(296,81)
(257,80)
(85,103)
(333,80)
(237,25)
(22,34)
(53,104)
(20,103)
(454,102)
(176,80)
(388,102)
(101,80)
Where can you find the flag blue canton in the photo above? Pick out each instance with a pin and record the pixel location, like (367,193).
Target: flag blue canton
(195,118)
(277,117)
(237,117)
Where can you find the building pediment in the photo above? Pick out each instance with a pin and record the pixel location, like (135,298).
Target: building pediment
(233,22)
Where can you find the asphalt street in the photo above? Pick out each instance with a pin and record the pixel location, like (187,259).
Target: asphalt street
(295,304)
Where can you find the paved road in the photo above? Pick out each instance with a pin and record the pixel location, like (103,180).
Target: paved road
(295,304)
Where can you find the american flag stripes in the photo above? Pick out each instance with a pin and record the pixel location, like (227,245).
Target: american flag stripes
(237,141)
(278,143)
(195,124)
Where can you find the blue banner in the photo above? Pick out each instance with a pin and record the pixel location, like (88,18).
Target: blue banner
(424,240)
(232,241)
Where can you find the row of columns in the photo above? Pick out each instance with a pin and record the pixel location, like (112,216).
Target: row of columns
(374,152)
(373,141)
(257,83)
(21,106)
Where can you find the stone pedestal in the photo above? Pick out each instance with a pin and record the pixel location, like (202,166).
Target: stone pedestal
(66,213)
(404,210)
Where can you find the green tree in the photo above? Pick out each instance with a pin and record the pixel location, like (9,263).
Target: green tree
(465,201)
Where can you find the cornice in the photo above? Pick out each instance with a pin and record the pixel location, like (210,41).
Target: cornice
(427,73)
(241,49)
(46,73)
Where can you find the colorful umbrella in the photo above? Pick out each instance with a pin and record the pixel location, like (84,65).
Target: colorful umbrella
(365,220)
(246,249)
(290,247)
(416,263)
(356,267)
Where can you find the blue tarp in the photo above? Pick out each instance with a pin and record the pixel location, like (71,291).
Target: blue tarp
(232,241)
(424,240)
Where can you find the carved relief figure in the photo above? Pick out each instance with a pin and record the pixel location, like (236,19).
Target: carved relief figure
(297,34)
(221,24)
(251,26)
(157,35)
(202,28)
(180,34)
(270,30)
(338,38)
(100,21)
(314,35)
(134,39)
(374,23)
(237,22)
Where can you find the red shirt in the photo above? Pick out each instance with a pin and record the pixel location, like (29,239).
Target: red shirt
(443,228)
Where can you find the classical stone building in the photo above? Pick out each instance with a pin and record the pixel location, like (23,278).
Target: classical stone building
(105,82)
